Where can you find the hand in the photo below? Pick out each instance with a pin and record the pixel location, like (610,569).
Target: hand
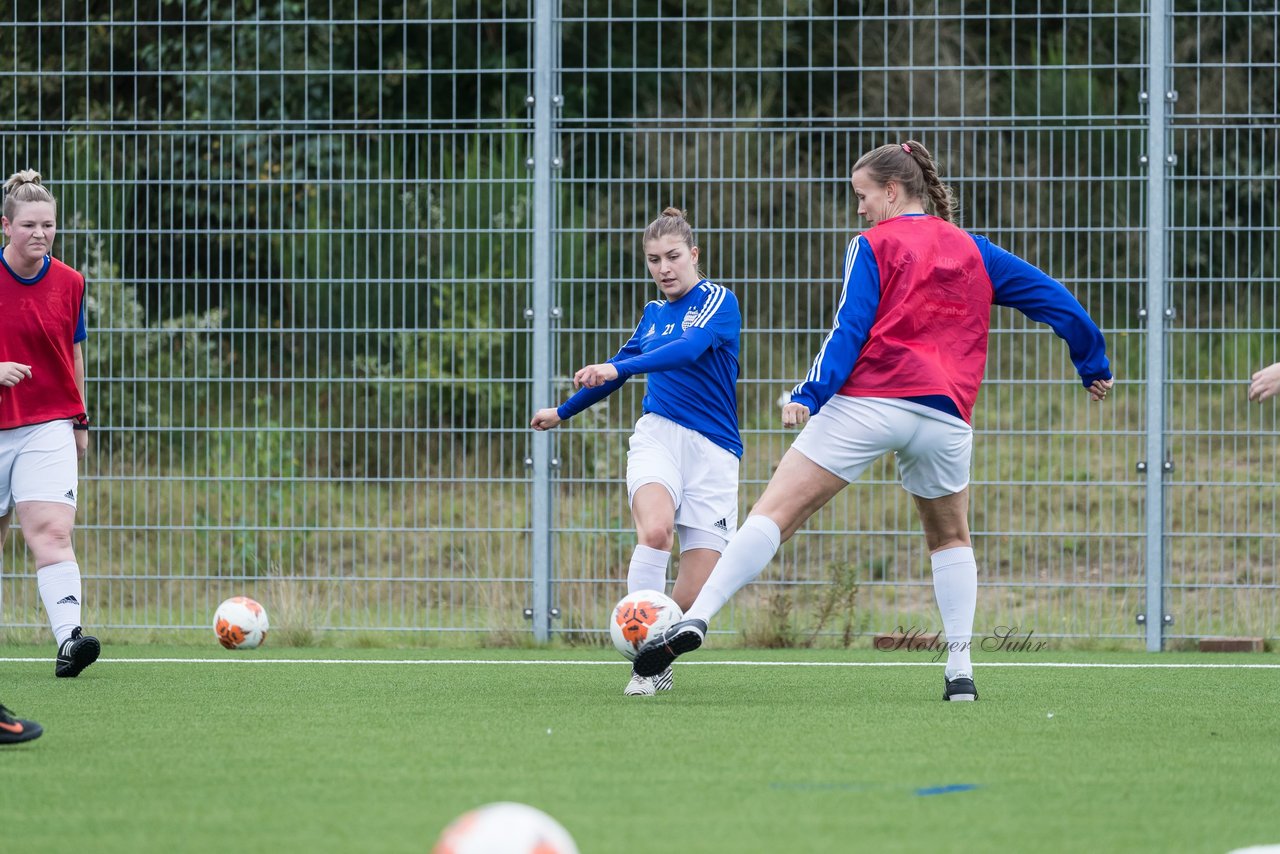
(82,443)
(795,415)
(12,373)
(545,419)
(595,375)
(1266,382)
(1098,389)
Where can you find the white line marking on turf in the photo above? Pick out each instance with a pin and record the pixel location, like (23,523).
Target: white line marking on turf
(529,661)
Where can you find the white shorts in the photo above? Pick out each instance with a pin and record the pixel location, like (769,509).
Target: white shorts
(38,463)
(701,477)
(850,433)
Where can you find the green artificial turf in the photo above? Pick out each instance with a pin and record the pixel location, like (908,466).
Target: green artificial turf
(316,757)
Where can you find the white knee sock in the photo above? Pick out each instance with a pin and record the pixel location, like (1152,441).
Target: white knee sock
(742,561)
(648,569)
(955,584)
(60,590)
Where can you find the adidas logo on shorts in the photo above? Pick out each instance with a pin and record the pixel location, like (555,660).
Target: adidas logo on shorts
(71,494)
(722,525)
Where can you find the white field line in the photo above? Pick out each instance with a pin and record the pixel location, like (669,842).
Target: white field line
(514,661)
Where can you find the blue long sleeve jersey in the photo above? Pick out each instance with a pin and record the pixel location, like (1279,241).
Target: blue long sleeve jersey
(689,350)
(1015,284)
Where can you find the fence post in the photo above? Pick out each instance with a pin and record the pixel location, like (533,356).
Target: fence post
(1159,95)
(540,500)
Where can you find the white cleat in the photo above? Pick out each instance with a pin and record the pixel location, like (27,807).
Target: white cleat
(640,686)
(647,686)
(663,680)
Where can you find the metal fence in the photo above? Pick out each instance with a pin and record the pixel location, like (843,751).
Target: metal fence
(337,256)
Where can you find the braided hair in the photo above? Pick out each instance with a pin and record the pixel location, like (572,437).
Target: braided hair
(911,166)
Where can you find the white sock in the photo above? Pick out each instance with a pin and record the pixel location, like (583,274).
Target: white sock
(648,569)
(955,584)
(742,561)
(60,589)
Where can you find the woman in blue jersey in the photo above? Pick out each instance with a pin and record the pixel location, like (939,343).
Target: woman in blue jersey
(682,466)
(899,372)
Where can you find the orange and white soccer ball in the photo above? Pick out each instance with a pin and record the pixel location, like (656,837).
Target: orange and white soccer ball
(640,616)
(240,623)
(505,828)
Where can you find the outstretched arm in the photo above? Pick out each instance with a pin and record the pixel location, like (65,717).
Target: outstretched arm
(589,393)
(1020,285)
(685,350)
(717,319)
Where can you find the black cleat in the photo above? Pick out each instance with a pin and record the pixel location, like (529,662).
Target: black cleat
(960,688)
(15,730)
(76,653)
(656,656)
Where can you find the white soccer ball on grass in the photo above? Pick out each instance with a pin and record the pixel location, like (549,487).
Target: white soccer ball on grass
(505,828)
(240,623)
(640,616)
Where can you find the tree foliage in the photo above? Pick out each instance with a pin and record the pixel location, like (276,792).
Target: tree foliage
(339,189)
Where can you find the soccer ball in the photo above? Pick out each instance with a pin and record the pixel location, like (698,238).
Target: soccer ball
(639,616)
(240,623)
(505,828)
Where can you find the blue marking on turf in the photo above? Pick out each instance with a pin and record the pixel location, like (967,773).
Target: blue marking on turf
(946,790)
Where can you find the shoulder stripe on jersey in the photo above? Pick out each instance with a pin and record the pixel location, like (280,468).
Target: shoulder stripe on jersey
(640,323)
(714,301)
(850,255)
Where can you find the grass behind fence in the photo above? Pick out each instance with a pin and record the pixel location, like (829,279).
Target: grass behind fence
(435,535)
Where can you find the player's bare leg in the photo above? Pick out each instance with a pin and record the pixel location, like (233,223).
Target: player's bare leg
(955,584)
(654,514)
(796,491)
(46,527)
(695,568)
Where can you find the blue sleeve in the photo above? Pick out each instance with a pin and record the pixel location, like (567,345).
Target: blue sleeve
(584,398)
(855,313)
(718,321)
(1022,286)
(82,328)
(683,351)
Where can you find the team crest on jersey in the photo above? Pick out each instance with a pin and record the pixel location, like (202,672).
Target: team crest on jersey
(689,317)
